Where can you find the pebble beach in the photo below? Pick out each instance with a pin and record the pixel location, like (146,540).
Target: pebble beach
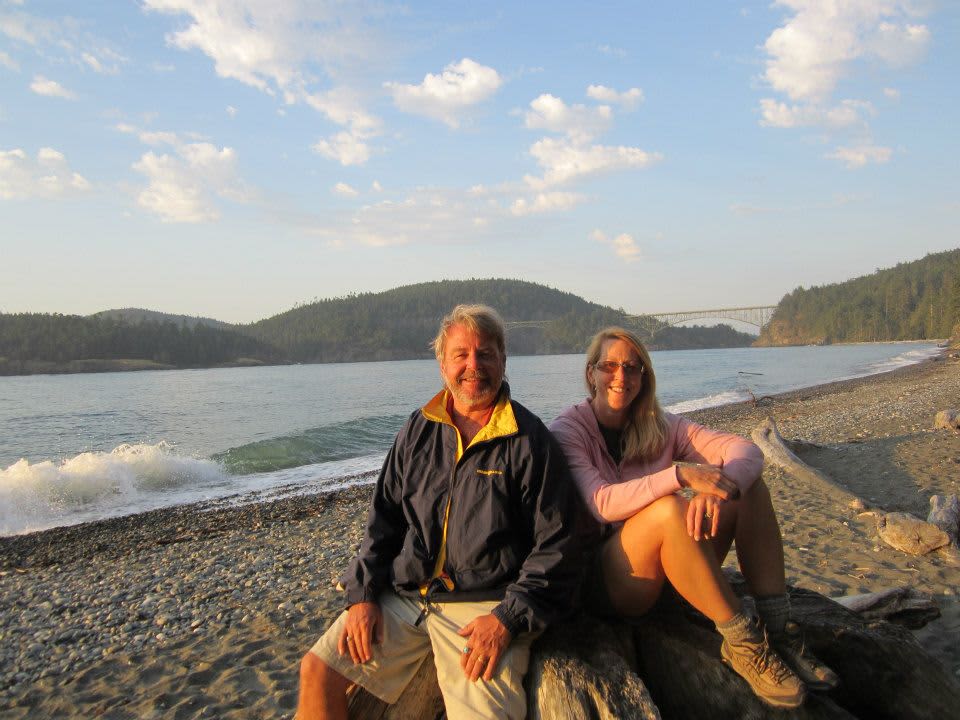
(204,611)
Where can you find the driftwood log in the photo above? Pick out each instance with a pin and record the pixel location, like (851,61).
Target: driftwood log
(903,606)
(776,450)
(899,530)
(668,665)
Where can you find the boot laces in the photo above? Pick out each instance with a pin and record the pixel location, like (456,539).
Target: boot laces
(763,658)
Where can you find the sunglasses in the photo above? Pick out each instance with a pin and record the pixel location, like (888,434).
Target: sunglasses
(609,367)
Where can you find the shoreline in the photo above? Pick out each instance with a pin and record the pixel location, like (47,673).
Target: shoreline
(149,504)
(115,365)
(207,613)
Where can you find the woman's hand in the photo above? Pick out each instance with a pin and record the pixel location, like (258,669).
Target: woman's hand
(364,628)
(707,480)
(703,517)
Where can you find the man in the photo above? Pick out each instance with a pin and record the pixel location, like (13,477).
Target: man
(468,548)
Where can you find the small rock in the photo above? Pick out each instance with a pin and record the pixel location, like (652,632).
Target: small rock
(945,514)
(949,419)
(910,534)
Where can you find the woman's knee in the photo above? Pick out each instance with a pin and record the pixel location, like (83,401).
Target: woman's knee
(668,509)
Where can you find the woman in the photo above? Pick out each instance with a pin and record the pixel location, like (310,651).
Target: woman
(629,459)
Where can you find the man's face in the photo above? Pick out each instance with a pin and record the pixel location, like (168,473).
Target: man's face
(472,368)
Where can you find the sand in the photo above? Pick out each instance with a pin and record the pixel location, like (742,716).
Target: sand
(201,611)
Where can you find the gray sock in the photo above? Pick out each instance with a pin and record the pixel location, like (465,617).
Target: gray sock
(774,611)
(739,627)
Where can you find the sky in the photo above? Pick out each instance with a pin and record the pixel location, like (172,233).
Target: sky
(234,158)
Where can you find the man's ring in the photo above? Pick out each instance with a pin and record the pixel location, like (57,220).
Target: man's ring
(466,650)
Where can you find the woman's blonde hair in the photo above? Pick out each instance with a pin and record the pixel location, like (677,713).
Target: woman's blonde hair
(646,430)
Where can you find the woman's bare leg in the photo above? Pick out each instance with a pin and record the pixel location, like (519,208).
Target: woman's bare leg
(653,546)
(752,523)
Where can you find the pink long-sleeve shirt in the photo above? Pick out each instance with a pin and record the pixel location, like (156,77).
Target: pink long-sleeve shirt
(616,492)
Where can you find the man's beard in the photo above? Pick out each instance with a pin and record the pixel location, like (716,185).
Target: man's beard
(483,396)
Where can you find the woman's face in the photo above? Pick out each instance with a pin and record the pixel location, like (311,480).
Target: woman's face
(618,386)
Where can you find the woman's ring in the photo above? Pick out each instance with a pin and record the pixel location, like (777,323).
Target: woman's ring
(708,515)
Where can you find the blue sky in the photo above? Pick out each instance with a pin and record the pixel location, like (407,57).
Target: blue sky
(231,158)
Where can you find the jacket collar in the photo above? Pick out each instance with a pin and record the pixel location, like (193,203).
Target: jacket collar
(502,422)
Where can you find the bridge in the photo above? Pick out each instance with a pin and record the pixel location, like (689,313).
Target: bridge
(757,315)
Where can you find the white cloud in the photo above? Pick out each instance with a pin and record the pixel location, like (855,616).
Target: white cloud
(341,188)
(231,111)
(50,88)
(376,186)
(899,45)
(278,47)
(426,215)
(446,96)
(27,29)
(611,51)
(858,156)
(891,94)
(628,99)
(185,186)
(8,62)
(579,122)
(623,245)
(564,161)
(782,115)
(343,107)
(345,147)
(546,202)
(93,62)
(64,36)
(47,176)
(817,45)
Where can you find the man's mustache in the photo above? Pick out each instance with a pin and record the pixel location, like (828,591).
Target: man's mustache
(475,375)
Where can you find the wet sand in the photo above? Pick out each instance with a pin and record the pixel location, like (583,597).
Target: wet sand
(195,612)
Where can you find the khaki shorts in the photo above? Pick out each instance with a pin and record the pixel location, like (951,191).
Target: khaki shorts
(396,660)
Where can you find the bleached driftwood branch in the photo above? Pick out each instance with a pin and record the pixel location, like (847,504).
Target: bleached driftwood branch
(775,449)
(903,606)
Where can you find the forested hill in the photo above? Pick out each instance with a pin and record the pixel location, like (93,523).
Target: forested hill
(135,316)
(914,300)
(37,343)
(399,323)
(393,325)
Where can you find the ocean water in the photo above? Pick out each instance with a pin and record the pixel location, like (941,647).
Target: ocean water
(75,448)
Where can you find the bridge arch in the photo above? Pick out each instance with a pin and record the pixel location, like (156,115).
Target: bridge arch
(757,315)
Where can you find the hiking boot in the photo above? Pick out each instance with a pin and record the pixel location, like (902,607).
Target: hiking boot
(756,662)
(789,645)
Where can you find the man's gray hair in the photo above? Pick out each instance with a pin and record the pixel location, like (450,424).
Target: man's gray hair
(482,319)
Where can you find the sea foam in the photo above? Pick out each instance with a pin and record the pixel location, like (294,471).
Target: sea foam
(723,398)
(128,479)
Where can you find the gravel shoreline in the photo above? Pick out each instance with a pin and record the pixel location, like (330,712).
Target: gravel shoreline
(184,613)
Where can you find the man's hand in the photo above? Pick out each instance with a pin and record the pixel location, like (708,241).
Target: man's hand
(363,629)
(487,640)
(707,480)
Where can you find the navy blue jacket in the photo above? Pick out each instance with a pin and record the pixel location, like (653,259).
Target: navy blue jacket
(510,530)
